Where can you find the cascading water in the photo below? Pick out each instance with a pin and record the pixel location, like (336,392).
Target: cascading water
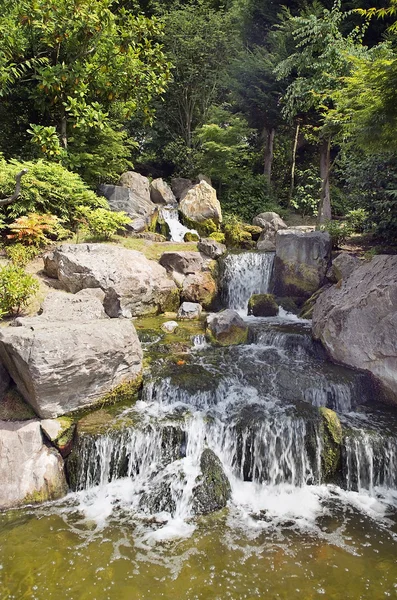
(246,274)
(178,231)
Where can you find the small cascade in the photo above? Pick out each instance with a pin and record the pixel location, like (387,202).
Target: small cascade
(177,231)
(369,461)
(296,344)
(246,274)
(337,396)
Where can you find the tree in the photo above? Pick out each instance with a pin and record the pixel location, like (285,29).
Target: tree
(77,61)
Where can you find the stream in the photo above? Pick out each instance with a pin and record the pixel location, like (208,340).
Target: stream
(291,529)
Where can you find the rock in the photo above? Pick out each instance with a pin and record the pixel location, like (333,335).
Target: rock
(227,328)
(265,245)
(136,225)
(4,381)
(302,228)
(182,262)
(180,186)
(191,236)
(30,472)
(213,489)
(62,366)
(211,248)
(253,230)
(290,305)
(203,177)
(86,305)
(356,320)
(133,285)
(262,305)
(200,288)
(343,266)
(60,433)
(169,326)
(161,193)
(189,310)
(306,311)
(265,218)
(301,262)
(136,182)
(332,436)
(200,204)
(124,199)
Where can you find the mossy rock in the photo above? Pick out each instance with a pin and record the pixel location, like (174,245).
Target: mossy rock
(308,307)
(191,236)
(218,236)
(253,230)
(213,490)
(289,304)
(171,303)
(236,237)
(234,336)
(204,228)
(332,436)
(262,305)
(153,222)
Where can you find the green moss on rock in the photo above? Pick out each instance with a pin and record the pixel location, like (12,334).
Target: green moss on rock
(332,435)
(204,228)
(218,236)
(262,305)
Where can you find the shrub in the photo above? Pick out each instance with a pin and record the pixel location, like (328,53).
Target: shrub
(248,196)
(16,289)
(102,223)
(46,188)
(37,230)
(218,236)
(338,230)
(20,255)
(357,219)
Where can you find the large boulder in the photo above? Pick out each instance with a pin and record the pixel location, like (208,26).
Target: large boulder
(262,305)
(263,219)
(211,248)
(356,320)
(180,186)
(161,193)
(213,489)
(182,262)
(123,199)
(201,288)
(342,266)
(133,285)
(227,328)
(137,183)
(200,204)
(60,366)
(30,472)
(301,262)
(270,223)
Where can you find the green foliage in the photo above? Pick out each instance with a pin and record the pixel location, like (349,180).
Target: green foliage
(101,223)
(307,192)
(249,196)
(235,234)
(16,289)
(20,255)
(46,140)
(37,230)
(48,188)
(218,236)
(357,219)
(339,231)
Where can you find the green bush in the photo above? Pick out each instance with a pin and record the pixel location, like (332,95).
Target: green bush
(339,231)
(46,188)
(20,255)
(101,223)
(307,192)
(37,230)
(248,196)
(218,236)
(357,219)
(16,289)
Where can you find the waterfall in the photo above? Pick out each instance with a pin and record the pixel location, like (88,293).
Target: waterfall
(246,274)
(177,230)
(369,461)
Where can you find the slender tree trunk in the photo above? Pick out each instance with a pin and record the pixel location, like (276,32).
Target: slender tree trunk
(324,209)
(64,135)
(268,158)
(293,165)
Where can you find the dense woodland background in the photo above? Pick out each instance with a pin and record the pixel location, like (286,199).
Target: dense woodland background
(289,107)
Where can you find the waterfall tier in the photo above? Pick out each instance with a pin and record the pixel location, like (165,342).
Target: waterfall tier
(246,274)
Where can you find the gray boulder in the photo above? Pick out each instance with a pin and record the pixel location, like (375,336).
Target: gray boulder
(199,204)
(122,198)
(271,223)
(227,328)
(161,193)
(213,490)
(301,262)
(64,365)
(169,326)
(180,186)
(265,245)
(30,472)
(273,218)
(182,262)
(190,310)
(211,248)
(136,182)
(262,305)
(133,285)
(136,225)
(342,266)
(357,320)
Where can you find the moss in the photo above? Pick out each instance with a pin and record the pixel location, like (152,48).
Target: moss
(66,433)
(262,305)
(49,491)
(171,302)
(253,230)
(232,337)
(308,307)
(153,250)
(218,236)
(126,391)
(190,236)
(14,408)
(332,435)
(204,228)
(294,279)
(153,221)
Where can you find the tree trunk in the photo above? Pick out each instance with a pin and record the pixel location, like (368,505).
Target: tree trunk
(324,208)
(268,159)
(293,165)
(64,135)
